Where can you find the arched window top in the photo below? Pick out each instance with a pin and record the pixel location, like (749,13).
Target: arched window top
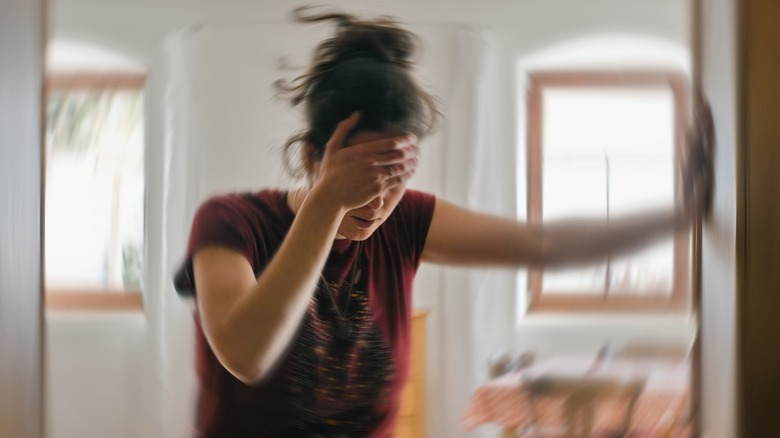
(608,51)
(73,56)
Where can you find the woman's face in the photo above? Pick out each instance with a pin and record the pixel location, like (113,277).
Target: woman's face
(360,223)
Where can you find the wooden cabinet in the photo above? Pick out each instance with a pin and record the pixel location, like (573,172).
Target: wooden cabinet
(411,419)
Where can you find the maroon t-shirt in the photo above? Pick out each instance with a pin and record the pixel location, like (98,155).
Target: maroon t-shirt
(343,374)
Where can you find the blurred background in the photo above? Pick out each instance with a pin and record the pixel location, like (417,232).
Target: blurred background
(552,109)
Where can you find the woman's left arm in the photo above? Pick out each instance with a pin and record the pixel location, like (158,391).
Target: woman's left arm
(461,237)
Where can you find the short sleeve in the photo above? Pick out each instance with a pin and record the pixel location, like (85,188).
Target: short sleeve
(220,221)
(413,219)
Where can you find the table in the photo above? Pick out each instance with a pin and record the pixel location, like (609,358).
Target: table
(660,408)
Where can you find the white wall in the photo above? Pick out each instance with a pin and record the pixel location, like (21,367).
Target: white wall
(719,326)
(94,374)
(22,25)
(134,30)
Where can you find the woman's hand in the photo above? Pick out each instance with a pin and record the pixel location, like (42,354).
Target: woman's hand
(353,175)
(697,170)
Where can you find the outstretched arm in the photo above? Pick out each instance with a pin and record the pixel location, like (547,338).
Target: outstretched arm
(461,237)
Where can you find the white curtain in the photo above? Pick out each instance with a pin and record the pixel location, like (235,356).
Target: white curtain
(212,126)
(476,307)
(171,158)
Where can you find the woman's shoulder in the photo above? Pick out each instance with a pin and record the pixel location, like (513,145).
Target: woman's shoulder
(415,209)
(242,221)
(414,201)
(267,195)
(254,213)
(409,223)
(242,203)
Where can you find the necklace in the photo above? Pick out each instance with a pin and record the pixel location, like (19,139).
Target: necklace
(343,329)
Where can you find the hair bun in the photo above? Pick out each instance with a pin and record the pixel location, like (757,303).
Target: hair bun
(381,38)
(364,66)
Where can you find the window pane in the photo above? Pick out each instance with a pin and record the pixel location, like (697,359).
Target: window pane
(634,187)
(649,272)
(94,190)
(609,152)
(584,281)
(616,121)
(562,199)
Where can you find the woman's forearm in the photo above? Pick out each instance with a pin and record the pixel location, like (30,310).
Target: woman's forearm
(258,327)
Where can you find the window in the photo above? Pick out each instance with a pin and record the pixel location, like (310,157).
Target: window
(94,202)
(603,144)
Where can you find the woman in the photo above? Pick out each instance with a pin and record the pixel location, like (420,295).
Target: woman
(304,297)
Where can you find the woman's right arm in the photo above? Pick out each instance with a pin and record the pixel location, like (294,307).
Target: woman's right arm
(250,321)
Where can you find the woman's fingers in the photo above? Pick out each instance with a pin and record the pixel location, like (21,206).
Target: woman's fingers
(404,169)
(410,152)
(357,173)
(388,149)
(340,135)
(390,157)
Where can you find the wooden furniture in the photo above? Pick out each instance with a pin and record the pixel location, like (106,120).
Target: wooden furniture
(579,394)
(411,420)
(758,236)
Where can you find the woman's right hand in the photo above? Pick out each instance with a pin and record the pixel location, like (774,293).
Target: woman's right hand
(352,175)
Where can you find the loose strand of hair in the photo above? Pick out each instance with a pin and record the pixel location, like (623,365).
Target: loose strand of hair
(296,170)
(341,19)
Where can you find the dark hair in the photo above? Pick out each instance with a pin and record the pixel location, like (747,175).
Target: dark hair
(366,67)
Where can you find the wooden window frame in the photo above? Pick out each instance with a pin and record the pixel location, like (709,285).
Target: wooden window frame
(680,300)
(100,300)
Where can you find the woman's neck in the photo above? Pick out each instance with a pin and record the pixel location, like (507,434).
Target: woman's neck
(296,197)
